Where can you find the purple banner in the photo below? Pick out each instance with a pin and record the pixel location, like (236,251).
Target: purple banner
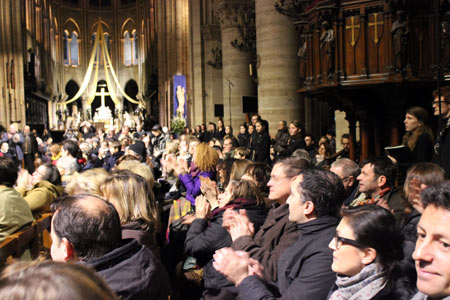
(179,95)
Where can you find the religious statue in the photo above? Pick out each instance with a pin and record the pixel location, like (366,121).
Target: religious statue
(181,100)
(128,120)
(400,34)
(445,42)
(327,44)
(302,51)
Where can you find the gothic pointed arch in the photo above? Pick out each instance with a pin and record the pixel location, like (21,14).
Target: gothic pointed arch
(130,47)
(71,89)
(131,89)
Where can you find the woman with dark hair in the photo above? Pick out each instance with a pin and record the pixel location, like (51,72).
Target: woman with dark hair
(296,139)
(229,133)
(41,188)
(261,143)
(220,133)
(367,250)
(418,136)
(322,159)
(244,136)
(206,234)
(259,173)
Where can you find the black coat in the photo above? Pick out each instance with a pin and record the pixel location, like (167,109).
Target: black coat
(304,269)
(133,272)
(295,142)
(204,238)
(244,140)
(261,146)
(442,158)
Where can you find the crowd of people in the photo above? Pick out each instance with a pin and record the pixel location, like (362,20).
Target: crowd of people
(211,215)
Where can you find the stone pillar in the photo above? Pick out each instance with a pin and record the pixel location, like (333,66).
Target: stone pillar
(236,78)
(277,45)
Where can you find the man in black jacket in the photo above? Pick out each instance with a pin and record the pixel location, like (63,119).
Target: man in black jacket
(86,229)
(304,269)
(442,146)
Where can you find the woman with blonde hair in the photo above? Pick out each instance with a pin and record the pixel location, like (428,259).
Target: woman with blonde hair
(138,168)
(87,182)
(204,164)
(133,199)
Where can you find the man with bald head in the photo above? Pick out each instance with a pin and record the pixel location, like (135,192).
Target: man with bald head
(86,229)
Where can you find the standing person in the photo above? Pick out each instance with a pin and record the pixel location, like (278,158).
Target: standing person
(418,136)
(220,130)
(229,132)
(30,149)
(211,133)
(442,145)
(296,140)
(261,144)
(15,140)
(244,136)
(281,138)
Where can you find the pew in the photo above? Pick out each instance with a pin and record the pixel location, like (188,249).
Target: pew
(34,239)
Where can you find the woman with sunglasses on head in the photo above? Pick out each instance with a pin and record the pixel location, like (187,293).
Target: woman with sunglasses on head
(367,249)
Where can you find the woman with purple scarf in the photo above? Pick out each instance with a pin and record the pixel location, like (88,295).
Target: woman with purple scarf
(204,164)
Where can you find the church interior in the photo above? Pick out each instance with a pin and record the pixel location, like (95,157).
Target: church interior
(348,66)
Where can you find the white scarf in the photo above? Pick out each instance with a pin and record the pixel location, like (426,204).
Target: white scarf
(364,285)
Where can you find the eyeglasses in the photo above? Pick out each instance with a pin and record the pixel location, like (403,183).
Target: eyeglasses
(437,103)
(339,241)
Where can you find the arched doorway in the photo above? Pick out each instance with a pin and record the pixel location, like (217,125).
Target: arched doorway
(131,89)
(101,85)
(71,90)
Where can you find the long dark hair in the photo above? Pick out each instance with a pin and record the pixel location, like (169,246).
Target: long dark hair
(410,138)
(375,227)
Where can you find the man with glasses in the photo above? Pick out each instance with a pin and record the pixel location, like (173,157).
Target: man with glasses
(442,146)
(277,233)
(304,269)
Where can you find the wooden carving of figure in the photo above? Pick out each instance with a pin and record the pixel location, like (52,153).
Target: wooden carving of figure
(327,43)
(400,34)
(445,43)
(302,56)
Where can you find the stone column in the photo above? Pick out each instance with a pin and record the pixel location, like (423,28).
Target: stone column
(236,78)
(277,45)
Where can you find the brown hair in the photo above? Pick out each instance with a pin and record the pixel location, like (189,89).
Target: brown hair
(410,138)
(206,158)
(246,189)
(52,280)
(426,172)
(445,92)
(238,168)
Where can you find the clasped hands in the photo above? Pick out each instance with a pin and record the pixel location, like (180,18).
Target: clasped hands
(237,223)
(236,265)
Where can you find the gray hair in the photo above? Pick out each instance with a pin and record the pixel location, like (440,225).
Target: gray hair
(348,167)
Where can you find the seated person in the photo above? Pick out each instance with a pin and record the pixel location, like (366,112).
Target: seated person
(15,214)
(52,280)
(45,187)
(432,253)
(367,249)
(304,269)
(87,229)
